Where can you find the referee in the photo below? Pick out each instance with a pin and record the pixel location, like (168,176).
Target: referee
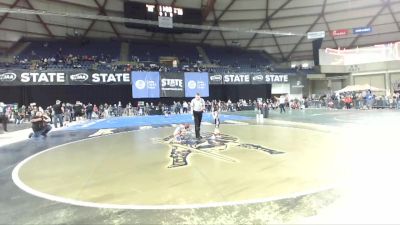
(198,105)
(3,116)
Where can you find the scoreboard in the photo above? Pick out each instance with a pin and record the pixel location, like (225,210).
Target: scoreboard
(164,10)
(162,13)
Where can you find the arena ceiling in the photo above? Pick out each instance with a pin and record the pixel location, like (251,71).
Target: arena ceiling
(296,16)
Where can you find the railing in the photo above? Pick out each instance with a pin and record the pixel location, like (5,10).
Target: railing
(355,104)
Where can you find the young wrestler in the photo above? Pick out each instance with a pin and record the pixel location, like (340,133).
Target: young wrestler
(180,132)
(215,115)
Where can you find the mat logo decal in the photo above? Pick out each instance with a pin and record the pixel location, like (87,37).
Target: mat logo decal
(210,145)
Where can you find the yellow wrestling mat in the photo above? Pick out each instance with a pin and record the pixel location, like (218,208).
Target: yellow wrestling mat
(135,169)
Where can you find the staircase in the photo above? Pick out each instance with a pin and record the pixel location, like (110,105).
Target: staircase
(203,54)
(17,48)
(124,53)
(268,57)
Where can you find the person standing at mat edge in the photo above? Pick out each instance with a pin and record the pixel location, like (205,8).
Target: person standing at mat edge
(198,106)
(58,110)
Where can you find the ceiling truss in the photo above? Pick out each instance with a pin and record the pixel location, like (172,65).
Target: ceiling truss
(273,17)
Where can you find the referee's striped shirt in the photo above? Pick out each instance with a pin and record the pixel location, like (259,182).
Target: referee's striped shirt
(198,105)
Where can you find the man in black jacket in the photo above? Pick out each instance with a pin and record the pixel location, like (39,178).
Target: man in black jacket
(58,111)
(89,111)
(78,110)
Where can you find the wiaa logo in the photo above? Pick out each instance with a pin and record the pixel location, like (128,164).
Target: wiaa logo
(8,77)
(79,77)
(258,78)
(201,85)
(151,84)
(216,78)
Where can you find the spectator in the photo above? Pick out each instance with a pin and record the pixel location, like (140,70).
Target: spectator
(370,99)
(185,106)
(89,111)
(181,132)
(282,103)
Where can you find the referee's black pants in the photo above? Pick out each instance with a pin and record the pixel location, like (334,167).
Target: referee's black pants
(4,121)
(197,121)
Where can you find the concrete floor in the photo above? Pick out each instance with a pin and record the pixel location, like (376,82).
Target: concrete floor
(329,168)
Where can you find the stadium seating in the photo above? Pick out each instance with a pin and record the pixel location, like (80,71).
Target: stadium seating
(40,49)
(101,55)
(235,57)
(150,52)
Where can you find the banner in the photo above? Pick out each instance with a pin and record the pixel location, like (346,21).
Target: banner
(172,85)
(298,84)
(196,83)
(237,78)
(110,78)
(269,78)
(316,35)
(249,78)
(82,78)
(19,77)
(61,77)
(362,30)
(145,84)
(341,32)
